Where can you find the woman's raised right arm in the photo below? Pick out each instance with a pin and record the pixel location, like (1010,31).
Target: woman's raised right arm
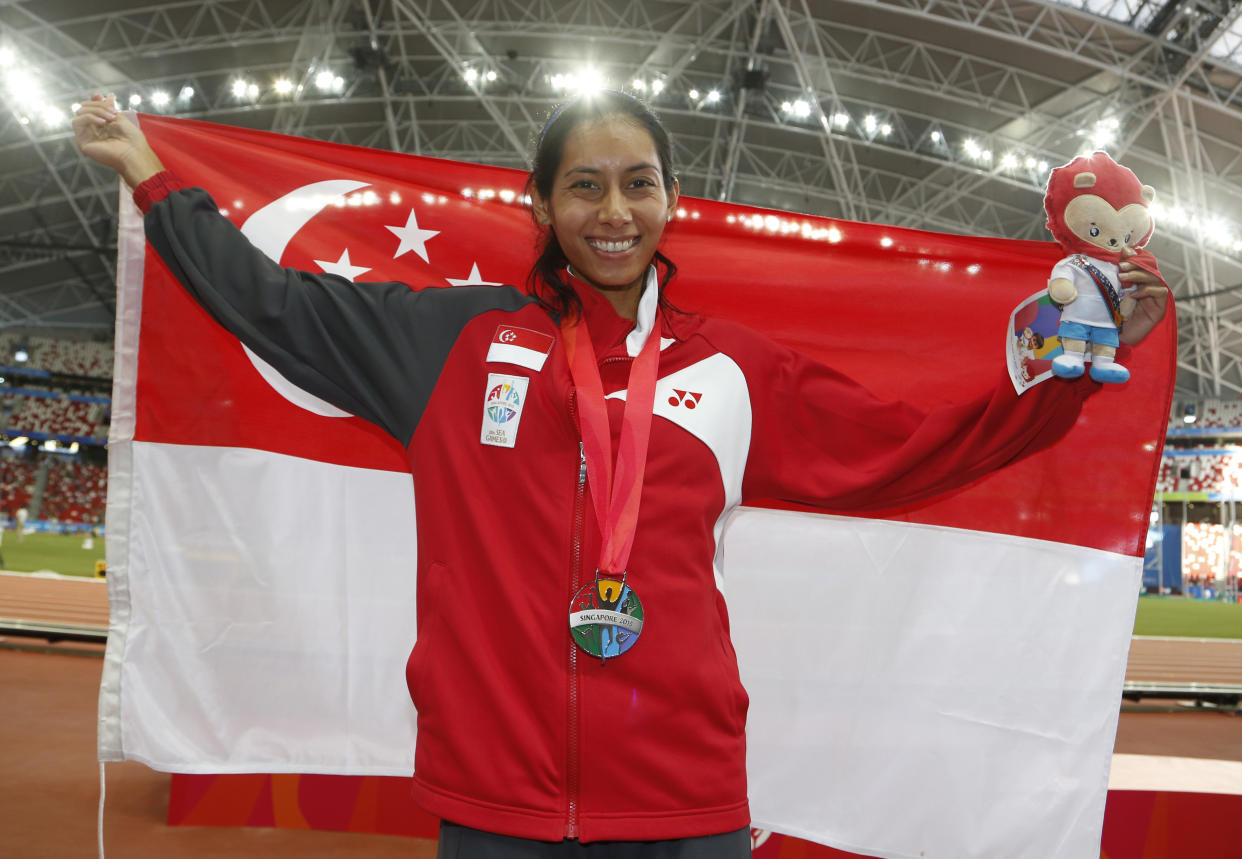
(374,349)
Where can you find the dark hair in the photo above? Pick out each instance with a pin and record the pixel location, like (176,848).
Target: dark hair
(545,282)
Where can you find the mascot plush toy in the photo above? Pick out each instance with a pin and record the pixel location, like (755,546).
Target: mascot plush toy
(1097,210)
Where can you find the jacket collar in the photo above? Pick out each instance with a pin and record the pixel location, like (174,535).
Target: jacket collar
(608,328)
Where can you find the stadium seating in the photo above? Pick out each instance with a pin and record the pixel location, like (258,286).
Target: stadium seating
(1215,413)
(17,479)
(55,416)
(1167,480)
(70,357)
(75,492)
(1203,549)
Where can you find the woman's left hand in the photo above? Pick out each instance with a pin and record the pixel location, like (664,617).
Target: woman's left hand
(1152,299)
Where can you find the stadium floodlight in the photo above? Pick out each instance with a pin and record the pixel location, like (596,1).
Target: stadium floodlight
(870,123)
(327,81)
(470,74)
(491,75)
(638,84)
(187,93)
(24,89)
(239,88)
(840,119)
(1009,161)
(590,81)
(20,355)
(657,86)
(713,96)
(694,95)
(53,116)
(886,130)
(134,99)
(283,86)
(1175,215)
(159,98)
(1217,231)
(252,90)
(585,81)
(1101,137)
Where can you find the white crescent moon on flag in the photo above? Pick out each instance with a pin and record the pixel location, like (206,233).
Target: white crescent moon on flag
(270,229)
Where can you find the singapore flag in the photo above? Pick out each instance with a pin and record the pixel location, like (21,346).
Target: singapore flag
(938,680)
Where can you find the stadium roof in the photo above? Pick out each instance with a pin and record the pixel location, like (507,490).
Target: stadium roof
(939,114)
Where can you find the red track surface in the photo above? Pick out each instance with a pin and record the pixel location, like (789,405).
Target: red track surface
(62,601)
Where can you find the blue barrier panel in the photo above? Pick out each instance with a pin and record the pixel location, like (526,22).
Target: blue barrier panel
(47,526)
(1162,564)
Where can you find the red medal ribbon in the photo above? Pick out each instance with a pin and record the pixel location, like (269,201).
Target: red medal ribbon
(616,496)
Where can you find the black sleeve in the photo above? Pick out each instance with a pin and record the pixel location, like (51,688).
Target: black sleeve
(372,349)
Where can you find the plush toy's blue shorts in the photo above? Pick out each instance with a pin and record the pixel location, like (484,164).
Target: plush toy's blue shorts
(1099,334)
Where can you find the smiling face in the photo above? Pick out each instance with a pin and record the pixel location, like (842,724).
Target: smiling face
(608,204)
(1094,220)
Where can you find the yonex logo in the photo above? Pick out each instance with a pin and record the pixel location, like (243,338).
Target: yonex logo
(689,399)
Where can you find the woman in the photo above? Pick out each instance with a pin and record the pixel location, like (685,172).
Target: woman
(609,717)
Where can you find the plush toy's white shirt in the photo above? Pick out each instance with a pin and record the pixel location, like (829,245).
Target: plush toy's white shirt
(1089,307)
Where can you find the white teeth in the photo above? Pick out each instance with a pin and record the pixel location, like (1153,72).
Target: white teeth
(613,247)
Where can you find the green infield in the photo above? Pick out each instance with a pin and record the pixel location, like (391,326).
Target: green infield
(67,554)
(1188,618)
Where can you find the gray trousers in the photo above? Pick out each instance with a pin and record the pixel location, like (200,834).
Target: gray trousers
(461,842)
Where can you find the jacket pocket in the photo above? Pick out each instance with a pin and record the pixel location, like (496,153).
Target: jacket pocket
(738,699)
(421,663)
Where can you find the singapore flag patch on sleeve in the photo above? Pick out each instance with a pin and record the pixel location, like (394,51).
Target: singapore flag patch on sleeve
(521,346)
(502,408)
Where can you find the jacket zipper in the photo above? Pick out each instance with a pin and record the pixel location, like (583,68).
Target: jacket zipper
(572,762)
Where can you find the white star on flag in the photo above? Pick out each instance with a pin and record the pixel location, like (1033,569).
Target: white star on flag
(342,266)
(475,279)
(413,238)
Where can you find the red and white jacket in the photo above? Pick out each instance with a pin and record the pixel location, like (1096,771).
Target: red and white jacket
(519,732)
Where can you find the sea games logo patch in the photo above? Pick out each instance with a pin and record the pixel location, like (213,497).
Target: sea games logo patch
(502,409)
